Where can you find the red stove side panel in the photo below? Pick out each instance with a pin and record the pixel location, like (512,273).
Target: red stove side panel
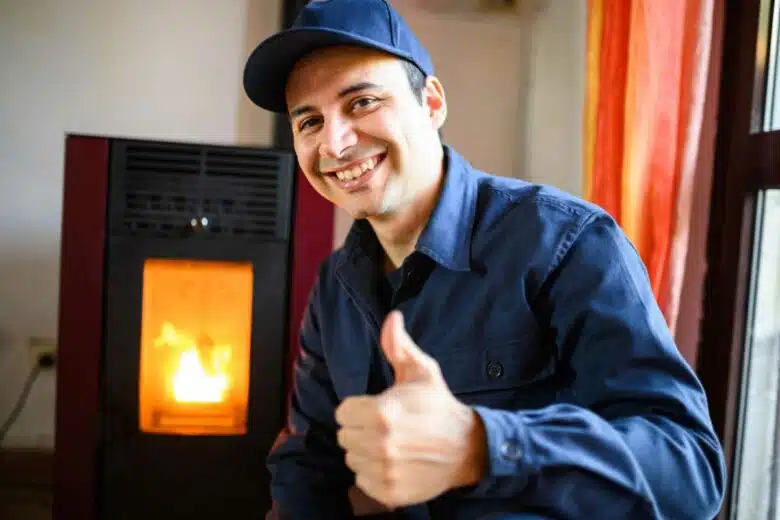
(312,243)
(83,238)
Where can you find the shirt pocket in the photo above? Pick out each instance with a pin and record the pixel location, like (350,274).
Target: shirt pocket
(510,374)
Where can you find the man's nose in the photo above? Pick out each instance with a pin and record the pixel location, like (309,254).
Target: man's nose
(337,136)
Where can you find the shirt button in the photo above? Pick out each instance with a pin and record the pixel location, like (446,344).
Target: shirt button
(511,451)
(494,369)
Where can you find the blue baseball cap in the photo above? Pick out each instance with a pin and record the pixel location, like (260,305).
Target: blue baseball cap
(373,24)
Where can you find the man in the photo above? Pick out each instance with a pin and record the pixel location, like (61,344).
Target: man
(480,346)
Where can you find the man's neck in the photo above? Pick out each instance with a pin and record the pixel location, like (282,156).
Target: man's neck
(398,233)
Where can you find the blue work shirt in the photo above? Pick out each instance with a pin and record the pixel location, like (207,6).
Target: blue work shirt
(540,314)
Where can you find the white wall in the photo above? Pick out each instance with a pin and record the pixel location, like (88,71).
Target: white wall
(168,69)
(171,69)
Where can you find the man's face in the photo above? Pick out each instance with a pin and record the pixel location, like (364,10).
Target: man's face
(362,137)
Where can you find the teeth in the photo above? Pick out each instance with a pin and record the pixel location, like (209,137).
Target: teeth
(357,171)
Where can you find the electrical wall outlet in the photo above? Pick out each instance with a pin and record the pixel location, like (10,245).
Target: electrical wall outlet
(41,346)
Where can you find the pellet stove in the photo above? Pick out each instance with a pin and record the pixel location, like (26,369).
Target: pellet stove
(184,271)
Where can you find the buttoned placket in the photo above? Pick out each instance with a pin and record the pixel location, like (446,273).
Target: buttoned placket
(357,277)
(364,294)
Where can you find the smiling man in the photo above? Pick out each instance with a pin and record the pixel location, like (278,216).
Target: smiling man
(481,347)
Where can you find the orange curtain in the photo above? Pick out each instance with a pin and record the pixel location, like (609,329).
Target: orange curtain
(647,64)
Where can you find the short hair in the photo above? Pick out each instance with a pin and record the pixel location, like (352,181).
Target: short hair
(416,79)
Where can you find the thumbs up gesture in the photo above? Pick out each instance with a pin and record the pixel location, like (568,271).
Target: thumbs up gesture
(415,440)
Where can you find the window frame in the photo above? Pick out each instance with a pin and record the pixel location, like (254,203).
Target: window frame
(743,166)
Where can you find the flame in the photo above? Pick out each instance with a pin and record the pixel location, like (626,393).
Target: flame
(201,370)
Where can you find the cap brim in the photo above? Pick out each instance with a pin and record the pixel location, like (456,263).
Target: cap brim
(270,64)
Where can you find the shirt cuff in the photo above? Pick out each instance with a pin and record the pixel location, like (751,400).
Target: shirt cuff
(508,466)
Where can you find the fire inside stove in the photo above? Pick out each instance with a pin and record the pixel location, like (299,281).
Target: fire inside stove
(195,347)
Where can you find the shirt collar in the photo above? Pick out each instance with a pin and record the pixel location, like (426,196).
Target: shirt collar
(446,237)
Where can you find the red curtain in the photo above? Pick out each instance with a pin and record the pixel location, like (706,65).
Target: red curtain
(647,71)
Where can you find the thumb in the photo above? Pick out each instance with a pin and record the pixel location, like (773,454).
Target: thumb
(409,362)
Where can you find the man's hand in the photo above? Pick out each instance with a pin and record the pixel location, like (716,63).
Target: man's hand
(414,441)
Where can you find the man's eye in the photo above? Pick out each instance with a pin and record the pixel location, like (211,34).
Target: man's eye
(307,123)
(363,102)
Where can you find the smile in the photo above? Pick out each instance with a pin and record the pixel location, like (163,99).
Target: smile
(358,174)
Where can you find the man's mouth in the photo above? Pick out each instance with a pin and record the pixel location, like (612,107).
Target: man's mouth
(357,174)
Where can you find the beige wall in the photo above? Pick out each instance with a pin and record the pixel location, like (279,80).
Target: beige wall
(515,90)
(171,69)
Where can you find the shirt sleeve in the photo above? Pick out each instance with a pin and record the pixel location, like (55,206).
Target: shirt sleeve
(309,478)
(631,437)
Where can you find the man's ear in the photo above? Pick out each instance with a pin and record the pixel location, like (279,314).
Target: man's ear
(435,101)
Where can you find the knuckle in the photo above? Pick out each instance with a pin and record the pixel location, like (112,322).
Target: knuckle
(389,479)
(387,413)
(387,451)
(383,422)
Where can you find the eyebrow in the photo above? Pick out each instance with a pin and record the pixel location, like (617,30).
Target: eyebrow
(357,87)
